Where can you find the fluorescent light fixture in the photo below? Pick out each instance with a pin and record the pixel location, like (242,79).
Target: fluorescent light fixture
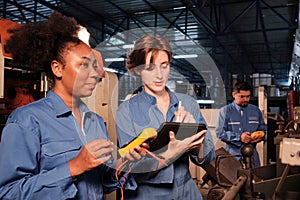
(127,46)
(16,69)
(186,56)
(113,59)
(205,101)
(179,8)
(190,27)
(110,70)
(142,12)
(115,71)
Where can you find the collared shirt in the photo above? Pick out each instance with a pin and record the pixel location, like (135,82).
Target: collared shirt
(38,141)
(231,125)
(174,181)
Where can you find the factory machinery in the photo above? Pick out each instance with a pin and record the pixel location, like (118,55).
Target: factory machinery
(230,179)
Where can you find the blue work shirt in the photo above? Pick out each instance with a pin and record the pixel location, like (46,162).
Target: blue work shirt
(173,181)
(231,125)
(38,141)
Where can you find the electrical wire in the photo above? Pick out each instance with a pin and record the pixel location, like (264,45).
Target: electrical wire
(126,164)
(287,125)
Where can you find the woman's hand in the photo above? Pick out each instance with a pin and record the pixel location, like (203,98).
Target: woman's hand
(199,151)
(133,155)
(178,147)
(181,115)
(137,153)
(91,155)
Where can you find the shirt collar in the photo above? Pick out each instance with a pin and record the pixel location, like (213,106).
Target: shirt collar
(173,99)
(59,105)
(149,98)
(236,106)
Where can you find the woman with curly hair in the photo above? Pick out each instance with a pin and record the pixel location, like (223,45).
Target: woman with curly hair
(56,148)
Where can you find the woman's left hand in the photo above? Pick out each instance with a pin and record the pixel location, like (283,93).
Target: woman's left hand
(198,150)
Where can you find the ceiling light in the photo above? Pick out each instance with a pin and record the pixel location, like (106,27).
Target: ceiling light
(205,101)
(179,8)
(17,69)
(191,27)
(128,46)
(110,70)
(113,59)
(186,56)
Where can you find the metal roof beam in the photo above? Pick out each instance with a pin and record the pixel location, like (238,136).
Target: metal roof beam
(211,32)
(129,16)
(262,23)
(239,16)
(163,16)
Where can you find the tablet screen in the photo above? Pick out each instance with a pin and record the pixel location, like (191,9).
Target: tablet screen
(181,130)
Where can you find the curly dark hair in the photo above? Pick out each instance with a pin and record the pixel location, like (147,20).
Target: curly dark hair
(37,44)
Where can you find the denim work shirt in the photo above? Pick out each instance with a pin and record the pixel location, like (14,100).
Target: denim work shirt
(231,125)
(38,141)
(173,181)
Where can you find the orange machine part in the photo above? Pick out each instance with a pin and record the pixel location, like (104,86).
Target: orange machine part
(5,25)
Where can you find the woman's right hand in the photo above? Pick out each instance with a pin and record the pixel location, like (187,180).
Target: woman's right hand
(92,155)
(181,115)
(178,147)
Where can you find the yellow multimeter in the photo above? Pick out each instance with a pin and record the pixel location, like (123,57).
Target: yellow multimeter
(146,134)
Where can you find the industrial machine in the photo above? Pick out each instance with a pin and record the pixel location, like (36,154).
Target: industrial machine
(234,180)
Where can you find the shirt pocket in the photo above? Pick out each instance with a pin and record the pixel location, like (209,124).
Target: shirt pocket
(234,126)
(59,152)
(253,125)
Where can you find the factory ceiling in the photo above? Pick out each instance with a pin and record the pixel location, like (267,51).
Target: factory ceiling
(241,37)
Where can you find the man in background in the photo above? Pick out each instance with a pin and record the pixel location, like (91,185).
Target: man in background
(240,122)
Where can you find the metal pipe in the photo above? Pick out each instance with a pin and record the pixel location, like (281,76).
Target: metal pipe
(281,181)
(235,188)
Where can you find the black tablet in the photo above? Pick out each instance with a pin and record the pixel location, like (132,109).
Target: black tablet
(181,130)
